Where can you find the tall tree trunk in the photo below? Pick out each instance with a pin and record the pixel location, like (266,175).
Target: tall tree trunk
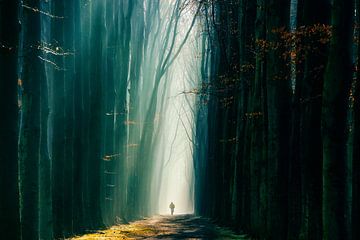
(337,80)
(228,82)
(356,137)
(278,100)
(78,167)
(95,116)
(69,95)
(295,165)
(356,162)
(29,148)
(9,130)
(85,105)
(109,101)
(45,184)
(137,52)
(256,120)
(58,116)
(310,142)
(45,199)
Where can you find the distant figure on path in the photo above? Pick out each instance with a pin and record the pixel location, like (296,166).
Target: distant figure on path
(172,207)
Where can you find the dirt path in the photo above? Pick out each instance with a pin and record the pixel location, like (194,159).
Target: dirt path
(165,227)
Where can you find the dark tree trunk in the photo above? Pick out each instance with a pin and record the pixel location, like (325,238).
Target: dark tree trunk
(121,84)
(9,130)
(228,75)
(356,138)
(68,104)
(310,142)
(95,115)
(85,105)
(356,163)
(58,117)
(337,80)
(45,199)
(29,148)
(137,52)
(78,167)
(278,100)
(45,184)
(295,165)
(256,120)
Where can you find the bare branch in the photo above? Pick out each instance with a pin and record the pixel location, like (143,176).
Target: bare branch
(41,12)
(52,63)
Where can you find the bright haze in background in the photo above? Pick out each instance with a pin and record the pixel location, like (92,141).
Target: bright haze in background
(175,152)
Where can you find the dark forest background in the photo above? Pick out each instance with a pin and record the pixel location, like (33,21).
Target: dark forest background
(278,146)
(276,136)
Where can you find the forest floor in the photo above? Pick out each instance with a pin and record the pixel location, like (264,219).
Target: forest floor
(165,227)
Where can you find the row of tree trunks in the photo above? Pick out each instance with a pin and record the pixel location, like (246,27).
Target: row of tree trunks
(290,177)
(86,107)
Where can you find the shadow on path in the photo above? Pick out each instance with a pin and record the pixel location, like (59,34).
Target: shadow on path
(165,227)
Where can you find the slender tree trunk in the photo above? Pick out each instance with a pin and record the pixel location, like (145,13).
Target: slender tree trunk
(58,116)
(295,165)
(356,163)
(69,95)
(310,142)
(356,136)
(137,52)
(85,105)
(121,84)
(9,130)
(45,184)
(278,99)
(95,116)
(228,82)
(256,118)
(29,148)
(78,171)
(45,199)
(109,101)
(337,80)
